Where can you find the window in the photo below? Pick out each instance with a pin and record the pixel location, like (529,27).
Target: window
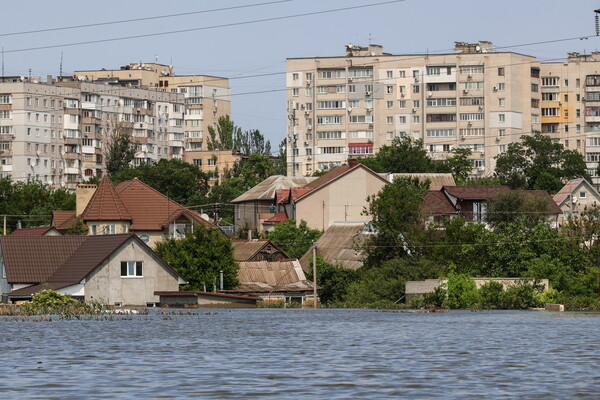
(471,101)
(332,74)
(415,88)
(582,195)
(401,74)
(501,102)
(390,104)
(389,89)
(502,148)
(389,74)
(472,116)
(330,120)
(110,229)
(441,117)
(549,112)
(295,92)
(211,162)
(332,104)
(402,119)
(552,96)
(401,103)
(330,135)
(357,119)
(501,71)
(309,76)
(501,117)
(361,73)
(132,268)
(197,162)
(471,69)
(501,132)
(441,102)
(416,103)
(502,86)
(441,132)
(550,81)
(416,119)
(295,76)
(389,120)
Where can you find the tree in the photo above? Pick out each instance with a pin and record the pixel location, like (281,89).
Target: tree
(223,137)
(333,281)
(519,207)
(404,154)
(458,165)
(294,240)
(180,181)
(199,258)
(396,219)
(119,149)
(539,163)
(252,142)
(280,164)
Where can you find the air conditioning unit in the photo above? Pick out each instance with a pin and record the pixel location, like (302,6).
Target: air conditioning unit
(469,123)
(465,91)
(369,110)
(370,125)
(462,137)
(309,128)
(350,79)
(414,110)
(402,94)
(349,109)
(497,138)
(469,76)
(308,83)
(495,89)
(306,113)
(309,158)
(306,144)
(482,154)
(38,153)
(429,94)
(480,108)
(141,125)
(367,93)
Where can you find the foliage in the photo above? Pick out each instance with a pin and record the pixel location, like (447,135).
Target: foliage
(490,294)
(333,281)
(200,256)
(50,302)
(461,291)
(483,181)
(223,137)
(280,164)
(119,148)
(539,163)
(458,164)
(520,296)
(396,220)
(78,228)
(176,179)
(294,240)
(517,207)
(404,154)
(251,142)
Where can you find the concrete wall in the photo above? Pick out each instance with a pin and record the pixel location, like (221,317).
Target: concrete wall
(107,285)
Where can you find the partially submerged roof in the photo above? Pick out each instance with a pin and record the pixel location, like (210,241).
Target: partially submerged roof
(475,192)
(438,180)
(244,250)
(339,245)
(266,189)
(271,276)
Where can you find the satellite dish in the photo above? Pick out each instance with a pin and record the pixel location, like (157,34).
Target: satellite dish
(477,47)
(574,200)
(204,216)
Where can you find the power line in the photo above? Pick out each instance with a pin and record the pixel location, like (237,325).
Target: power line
(124,21)
(250,22)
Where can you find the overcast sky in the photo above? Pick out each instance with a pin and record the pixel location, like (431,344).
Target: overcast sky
(244,48)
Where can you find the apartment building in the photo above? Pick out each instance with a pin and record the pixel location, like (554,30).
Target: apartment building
(352,105)
(55,131)
(571,105)
(206,97)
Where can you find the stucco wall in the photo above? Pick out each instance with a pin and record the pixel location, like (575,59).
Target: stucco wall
(107,285)
(341,200)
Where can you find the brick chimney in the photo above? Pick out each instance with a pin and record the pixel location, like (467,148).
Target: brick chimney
(83,195)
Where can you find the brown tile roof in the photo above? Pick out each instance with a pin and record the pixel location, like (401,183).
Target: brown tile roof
(105,204)
(570,187)
(244,250)
(436,203)
(475,192)
(34,259)
(63,219)
(151,210)
(281,216)
(39,231)
(329,176)
(339,245)
(437,180)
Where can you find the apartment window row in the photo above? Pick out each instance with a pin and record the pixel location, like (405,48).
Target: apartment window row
(368,134)
(5,130)
(592,80)
(359,150)
(330,89)
(592,96)
(471,101)
(441,117)
(5,99)
(550,112)
(361,119)
(331,150)
(478,147)
(593,141)
(472,132)
(328,164)
(440,147)
(327,135)
(436,87)
(330,120)
(478,163)
(592,157)
(471,85)
(332,104)
(441,132)
(5,114)
(442,102)
(471,69)
(331,74)
(361,72)
(472,116)
(439,70)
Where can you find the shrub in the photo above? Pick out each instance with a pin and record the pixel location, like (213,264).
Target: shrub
(520,296)
(462,292)
(490,294)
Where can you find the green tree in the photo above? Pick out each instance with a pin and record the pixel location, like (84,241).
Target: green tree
(280,164)
(199,258)
(396,219)
(404,154)
(180,181)
(224,136)
(119,149)
(525,208)
(458,165)
(294,240)
(252,142)
(333,281)
(539,163)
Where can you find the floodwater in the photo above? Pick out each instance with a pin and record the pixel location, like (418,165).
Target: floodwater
(300,354)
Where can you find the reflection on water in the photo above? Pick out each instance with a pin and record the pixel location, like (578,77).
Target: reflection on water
(295,354)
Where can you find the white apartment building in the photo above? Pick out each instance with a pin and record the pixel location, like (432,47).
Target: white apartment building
(55,132)
(352,105)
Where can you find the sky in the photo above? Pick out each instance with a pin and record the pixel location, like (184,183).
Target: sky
(246,38)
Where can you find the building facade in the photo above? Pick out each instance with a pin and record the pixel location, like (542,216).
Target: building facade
(350,106)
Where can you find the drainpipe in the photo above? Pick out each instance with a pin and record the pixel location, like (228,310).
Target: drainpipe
(221,279)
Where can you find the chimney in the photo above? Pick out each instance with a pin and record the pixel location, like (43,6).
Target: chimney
(83,195)
(249,234)
(352,162)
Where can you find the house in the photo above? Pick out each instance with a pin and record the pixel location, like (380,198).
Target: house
(253,208)
(574,197)
(470,202)
(206,299)
(39,231)
(213,162)
(257,250)
(339,245)
(131,206)
(273,281)
(340,195)
(115,269)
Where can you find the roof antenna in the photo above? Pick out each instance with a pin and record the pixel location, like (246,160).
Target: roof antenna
(597,22)
(3,62)
(61,63)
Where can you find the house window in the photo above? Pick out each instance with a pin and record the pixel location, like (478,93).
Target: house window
(131,268)
(211,162)
(582,195)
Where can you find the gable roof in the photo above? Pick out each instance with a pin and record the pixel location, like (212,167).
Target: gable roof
(474,192)
(271,276)
(338,245)
(151,210)
(38,231)
(281,216)
(62,220)
(571,186)
(244,250)
(105,204)
(266,189)
(436,203)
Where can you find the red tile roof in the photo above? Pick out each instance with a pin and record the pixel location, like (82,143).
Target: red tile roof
(105,204)
(63,219)
(277,218)
(38,231)
(475,192)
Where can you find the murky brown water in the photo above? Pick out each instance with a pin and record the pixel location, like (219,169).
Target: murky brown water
(298,354)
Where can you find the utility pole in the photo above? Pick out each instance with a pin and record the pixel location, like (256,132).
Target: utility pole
(315,302)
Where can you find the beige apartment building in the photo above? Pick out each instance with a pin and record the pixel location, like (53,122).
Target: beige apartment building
(352,105)
(206,97)
(56,131)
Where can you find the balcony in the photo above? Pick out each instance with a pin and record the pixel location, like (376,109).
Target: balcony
(71,156)
(71,171)
(72,141)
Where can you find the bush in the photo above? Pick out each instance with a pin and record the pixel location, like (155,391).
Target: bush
(521,295)
(491,294)
(462,292)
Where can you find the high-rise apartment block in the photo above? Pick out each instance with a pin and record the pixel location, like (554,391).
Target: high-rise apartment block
(475,97)
(56,131)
